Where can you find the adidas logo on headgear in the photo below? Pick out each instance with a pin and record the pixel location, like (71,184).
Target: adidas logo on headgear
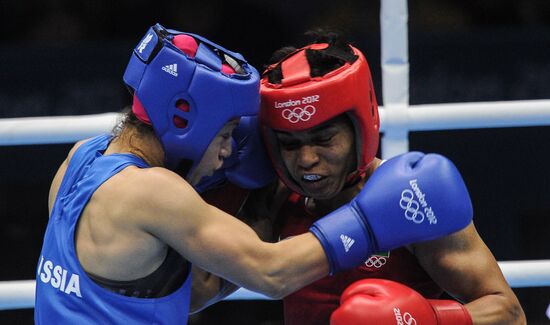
(171,69)
(347,241)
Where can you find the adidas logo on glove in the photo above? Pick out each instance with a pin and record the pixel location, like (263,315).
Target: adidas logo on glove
(347,241)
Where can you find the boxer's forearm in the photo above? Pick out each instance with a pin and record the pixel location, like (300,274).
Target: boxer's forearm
(496,309)
(207,289)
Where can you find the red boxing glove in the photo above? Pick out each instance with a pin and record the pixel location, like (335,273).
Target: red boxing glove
(384,302)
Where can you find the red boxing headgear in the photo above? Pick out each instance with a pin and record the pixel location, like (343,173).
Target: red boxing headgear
(301,102)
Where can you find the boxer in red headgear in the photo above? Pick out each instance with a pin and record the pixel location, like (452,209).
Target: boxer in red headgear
(302,101)
(320,123)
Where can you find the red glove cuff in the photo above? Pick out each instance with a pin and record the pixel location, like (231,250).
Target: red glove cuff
(449,312)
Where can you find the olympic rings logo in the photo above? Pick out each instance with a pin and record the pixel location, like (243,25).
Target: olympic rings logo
(411,207)
(408,319)
(298,114)
(375,261)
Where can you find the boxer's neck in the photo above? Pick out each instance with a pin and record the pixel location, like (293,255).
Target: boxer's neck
(145,146)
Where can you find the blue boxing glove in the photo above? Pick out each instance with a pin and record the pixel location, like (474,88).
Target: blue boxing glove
(248,167)
(412,197)
(254,169)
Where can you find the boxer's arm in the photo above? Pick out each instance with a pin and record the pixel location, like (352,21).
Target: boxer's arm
(464,267)
(208,288)
(172,211)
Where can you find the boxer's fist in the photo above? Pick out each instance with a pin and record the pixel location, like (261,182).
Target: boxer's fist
(254,169)
(248,166)
(410,198)
(384,302)
(415,197)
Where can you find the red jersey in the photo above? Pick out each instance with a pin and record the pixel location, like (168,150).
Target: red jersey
(315,303)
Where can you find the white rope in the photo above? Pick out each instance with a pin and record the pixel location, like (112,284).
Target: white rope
(479,115)
(16,294)
(519,274)
(69,129)
(528,273)
(56,129)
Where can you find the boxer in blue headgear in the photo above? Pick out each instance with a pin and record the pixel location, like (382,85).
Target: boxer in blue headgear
(202,84)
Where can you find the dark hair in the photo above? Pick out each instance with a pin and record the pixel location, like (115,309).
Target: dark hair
(321,62)
(130,120)
(130,126)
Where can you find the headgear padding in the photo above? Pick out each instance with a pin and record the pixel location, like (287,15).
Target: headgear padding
(186,93)
(301,102)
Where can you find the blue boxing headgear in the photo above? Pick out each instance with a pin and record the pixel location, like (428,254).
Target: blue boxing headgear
(162,77)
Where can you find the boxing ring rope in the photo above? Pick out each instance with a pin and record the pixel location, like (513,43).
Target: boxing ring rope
(397,120)
(519,274)
(429,117)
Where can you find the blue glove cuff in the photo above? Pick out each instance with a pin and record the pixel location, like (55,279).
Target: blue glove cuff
(345,238)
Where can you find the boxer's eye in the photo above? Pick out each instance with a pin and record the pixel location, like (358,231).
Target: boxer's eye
(289,145)
(323,140)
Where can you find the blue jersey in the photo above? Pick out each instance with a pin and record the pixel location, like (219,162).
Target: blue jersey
(64,293)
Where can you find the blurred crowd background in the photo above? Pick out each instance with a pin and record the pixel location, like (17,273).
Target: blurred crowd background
(61,57)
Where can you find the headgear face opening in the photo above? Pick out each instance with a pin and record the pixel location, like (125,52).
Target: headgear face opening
(301,102)
(187,91)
